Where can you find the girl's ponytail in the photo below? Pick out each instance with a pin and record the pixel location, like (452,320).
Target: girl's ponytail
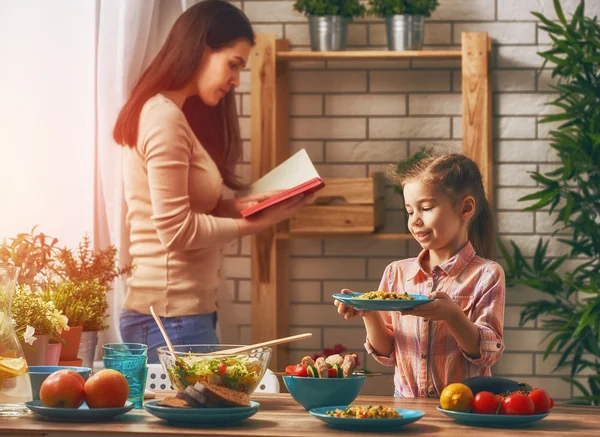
(482,230)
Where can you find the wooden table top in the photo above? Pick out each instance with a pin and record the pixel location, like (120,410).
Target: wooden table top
(280,415)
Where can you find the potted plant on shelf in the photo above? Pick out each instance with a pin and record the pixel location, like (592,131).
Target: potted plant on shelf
(37,322)
(404,21)
(569,309)
(328,21)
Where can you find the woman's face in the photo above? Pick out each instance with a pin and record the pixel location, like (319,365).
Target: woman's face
(219,71)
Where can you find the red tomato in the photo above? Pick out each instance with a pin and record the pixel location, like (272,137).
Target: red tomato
(222,368)
(289,370)
(485,403)
(541,401)
(517,404)
(331,372)
(301,371)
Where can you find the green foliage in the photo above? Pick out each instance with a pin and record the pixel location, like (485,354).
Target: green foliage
(345,8)
(571,311)
(386,8)
(403,166)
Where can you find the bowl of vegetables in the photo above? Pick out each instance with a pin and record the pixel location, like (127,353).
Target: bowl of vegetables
(188,364)
(324,382)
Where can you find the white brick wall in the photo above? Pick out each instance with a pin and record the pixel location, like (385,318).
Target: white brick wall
(355,117)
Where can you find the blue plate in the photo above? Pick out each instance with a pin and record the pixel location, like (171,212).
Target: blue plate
(81,414)
(201,416)
(408,416)
(350,299)
(492,420)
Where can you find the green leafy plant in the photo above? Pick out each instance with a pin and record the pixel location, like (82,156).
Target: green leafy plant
(571,311)
(345,8)
(387,8)
(402,166)
(75,299)
(32,253)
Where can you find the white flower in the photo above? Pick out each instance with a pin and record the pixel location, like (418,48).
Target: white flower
(28,335)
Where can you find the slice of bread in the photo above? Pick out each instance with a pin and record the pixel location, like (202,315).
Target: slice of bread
(218,395)
(174,402)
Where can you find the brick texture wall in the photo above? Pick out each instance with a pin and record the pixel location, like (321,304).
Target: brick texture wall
(356,117)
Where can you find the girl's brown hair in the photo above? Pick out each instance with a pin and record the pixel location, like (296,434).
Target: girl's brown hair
(459,176)
(209,23)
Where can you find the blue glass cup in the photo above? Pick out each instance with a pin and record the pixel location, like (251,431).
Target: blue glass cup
(131,360)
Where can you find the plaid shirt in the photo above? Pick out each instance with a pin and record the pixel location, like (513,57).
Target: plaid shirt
(426,355)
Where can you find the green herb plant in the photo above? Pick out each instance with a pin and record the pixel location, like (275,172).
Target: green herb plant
(387,8)
(344,8)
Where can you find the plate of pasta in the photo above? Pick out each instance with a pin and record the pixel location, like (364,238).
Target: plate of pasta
(381,300)
(363,417)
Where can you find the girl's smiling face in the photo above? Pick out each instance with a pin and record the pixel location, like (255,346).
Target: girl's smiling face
(435,222)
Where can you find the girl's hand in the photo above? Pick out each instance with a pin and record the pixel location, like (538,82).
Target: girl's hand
(442,308)
(347,311)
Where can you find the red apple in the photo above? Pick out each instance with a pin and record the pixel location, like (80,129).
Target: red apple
(62,389)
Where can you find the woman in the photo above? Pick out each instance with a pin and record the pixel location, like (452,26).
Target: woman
(181,138)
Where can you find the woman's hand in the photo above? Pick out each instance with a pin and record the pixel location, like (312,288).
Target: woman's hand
(442,308)
(347,311)
(233,207)
(273,214)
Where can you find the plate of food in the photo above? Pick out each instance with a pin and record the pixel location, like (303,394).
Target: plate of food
(492,420)
(381,300)
(204,404)
(368,417)
(81,414)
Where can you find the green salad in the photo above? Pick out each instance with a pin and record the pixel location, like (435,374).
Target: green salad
(240,373)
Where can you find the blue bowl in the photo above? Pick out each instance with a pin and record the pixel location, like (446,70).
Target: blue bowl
(324,392)
(38,374)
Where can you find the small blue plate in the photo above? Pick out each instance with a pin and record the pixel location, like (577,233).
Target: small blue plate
(408,416)
(201,416)
(492,420)
(351,299)
(81,414)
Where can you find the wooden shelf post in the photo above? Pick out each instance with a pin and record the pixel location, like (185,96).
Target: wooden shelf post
(477,105)
(270,147)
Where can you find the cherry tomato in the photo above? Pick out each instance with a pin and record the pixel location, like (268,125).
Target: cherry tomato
(332,372)
(517,404)
(485,403)
(289,370)
(222,368)
(301,371)
(541,401)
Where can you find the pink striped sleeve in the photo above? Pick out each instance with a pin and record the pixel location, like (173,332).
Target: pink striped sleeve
(387,319)
(489,317)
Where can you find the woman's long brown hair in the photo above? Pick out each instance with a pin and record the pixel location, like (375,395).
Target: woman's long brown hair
(209,23)
(458,176)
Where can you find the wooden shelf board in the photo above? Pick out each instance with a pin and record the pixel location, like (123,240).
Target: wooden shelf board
(375,236)
(367,55)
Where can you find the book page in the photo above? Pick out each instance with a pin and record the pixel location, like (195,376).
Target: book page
(294,171)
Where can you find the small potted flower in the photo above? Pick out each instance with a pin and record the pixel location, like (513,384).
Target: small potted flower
(404,21)
(328,21)
(37,322)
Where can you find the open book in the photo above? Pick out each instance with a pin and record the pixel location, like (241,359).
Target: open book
(294,176)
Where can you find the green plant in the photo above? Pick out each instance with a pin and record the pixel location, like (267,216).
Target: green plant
(72,298)
(387,8)
(345,8)
(571,311)
(402,166)
(32,253)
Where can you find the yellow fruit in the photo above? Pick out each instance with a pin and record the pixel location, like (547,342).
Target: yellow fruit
(456,397)
(13,366)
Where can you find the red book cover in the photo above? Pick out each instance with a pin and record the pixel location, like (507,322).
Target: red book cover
(294,176)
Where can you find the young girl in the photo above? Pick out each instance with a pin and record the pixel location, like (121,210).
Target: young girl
(459,335)
(181,141)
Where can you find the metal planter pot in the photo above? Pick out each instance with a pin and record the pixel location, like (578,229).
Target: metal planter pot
(328,33)
(405,32)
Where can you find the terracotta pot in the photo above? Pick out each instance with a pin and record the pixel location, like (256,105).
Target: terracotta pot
(35,354)
(72,337)
(53,354)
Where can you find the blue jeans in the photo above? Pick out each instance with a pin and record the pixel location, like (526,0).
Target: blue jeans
(141,328)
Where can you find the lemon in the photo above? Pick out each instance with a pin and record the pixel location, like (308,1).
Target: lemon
(456,397)
(13,366)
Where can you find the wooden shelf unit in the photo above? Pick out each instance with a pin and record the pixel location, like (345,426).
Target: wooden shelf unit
(270,147)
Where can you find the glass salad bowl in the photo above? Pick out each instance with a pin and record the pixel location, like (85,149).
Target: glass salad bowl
(206,363)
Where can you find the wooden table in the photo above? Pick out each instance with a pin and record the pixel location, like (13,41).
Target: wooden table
(281,416)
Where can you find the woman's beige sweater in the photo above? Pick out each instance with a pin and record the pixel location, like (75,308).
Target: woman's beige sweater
(171,185)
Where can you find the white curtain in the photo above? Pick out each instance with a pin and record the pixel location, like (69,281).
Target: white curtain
(129,35)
